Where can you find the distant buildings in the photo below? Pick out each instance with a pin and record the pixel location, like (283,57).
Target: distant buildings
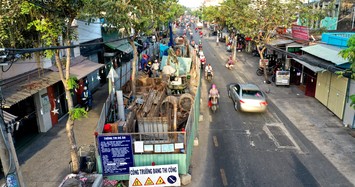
(212,2)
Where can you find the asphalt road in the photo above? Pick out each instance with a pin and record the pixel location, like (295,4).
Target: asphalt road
(246,149)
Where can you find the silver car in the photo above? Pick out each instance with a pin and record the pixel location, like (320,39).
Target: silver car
(247,97)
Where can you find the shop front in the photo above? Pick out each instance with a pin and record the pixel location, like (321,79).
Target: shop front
(305,76)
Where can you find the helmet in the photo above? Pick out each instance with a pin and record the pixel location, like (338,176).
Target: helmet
(155,60)
(149,63)
(213,86)
(85,87)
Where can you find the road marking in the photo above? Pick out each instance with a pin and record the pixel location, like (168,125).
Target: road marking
(252,143)
(215,141)
(247,132)
(287,134)
(224,178)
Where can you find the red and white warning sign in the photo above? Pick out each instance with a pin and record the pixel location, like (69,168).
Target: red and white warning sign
(162,175)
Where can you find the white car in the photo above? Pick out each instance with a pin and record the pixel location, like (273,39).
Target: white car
(247,97)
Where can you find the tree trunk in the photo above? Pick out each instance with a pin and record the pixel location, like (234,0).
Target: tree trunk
(73,147)
(261,53)
(134,64)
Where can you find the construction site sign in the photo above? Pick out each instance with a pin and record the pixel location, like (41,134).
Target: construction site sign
(162,175)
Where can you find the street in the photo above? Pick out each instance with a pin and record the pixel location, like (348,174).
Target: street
(252,149)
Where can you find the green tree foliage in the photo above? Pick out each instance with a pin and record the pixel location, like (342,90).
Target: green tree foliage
(349,53)
(216,14)
(135,17)
(45,24)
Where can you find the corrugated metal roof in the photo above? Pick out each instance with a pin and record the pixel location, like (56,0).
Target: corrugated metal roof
(326,52)
(280,42)
(313,68)
(22,87)
(122,45)
(84,68)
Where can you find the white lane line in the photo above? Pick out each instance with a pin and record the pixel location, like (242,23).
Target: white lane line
(215,141)
(224,178)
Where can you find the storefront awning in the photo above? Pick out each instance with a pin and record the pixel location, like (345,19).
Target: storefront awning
(280,42)
(313,68)
(326,52)
(122,45)
(23,87)
(83,67)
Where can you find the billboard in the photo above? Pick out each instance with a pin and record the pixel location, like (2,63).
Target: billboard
(300,32)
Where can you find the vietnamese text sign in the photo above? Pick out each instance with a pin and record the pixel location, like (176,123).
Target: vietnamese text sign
(162,175)
(300,32)
(116,154)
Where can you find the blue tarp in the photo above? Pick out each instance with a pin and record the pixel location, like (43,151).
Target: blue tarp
(163,49)
(185,64)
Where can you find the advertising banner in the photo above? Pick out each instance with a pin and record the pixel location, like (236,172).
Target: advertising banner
(300,32)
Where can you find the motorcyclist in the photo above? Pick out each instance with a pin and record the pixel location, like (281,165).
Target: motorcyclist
(202,60)
(208,69)
(213,92)
(200,45)
(229,63)
(86,98)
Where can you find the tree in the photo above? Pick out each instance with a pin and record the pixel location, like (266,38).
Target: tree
(134,16)
(47,24)
(349,53)
(259,20)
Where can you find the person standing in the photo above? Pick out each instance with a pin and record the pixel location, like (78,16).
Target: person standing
(86,98)
(155,68)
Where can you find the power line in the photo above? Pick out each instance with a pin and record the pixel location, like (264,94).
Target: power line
(31,50)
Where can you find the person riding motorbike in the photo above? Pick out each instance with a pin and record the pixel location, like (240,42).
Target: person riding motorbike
(200,45)
(202,60)
(213,92)
(208,70)
(230,62)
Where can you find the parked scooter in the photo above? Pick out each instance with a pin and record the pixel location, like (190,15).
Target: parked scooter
(269,70)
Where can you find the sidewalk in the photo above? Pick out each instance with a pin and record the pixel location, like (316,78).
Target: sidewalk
(45,162)
(311,118)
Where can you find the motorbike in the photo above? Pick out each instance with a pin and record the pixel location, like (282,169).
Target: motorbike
(229,64)
(214,103)
(269,70)
(203,62)
(209,76)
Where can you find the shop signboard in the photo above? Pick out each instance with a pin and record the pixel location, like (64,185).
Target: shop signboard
(300,32)
(116,154)
(161,175)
